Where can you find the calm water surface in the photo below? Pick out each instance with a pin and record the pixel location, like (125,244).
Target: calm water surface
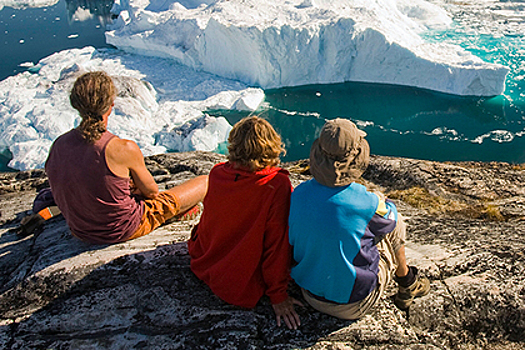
(30,34)
(400,121)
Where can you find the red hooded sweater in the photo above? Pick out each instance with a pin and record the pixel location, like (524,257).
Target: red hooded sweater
(240,247)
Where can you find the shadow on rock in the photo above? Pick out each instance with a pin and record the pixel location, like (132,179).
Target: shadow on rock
(153,300)
(24,257)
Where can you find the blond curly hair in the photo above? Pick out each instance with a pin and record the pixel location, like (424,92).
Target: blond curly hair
(92,95)
(254,143)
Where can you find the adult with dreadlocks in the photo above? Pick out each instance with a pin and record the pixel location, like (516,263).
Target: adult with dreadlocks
(100,182)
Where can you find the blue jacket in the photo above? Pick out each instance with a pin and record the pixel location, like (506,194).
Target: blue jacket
(332,231)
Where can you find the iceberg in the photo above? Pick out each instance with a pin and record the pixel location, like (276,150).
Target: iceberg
(161,105)
(275,43)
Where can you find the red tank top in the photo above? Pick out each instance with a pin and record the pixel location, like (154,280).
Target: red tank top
(97,204)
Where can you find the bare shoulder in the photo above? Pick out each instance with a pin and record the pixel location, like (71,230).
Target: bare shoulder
(121,155)
(121,149)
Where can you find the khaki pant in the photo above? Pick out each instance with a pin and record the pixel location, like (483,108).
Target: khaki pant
(387,265)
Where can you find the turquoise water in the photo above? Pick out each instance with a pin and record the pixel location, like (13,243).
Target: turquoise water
(508,50)
(399,121)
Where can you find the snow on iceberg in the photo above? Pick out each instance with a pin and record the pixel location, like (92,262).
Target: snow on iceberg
(160,105)
(275,43)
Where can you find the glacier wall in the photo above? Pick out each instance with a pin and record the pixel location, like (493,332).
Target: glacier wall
(275,43)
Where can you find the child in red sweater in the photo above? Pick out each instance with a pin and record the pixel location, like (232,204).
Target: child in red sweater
(240,247)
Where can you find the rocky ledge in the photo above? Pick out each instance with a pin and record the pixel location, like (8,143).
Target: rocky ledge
(466,232)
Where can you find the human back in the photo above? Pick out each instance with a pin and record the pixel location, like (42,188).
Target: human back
(348,242)
(344,249)
(243,211)
(240,247)
(100,182)
(96,203)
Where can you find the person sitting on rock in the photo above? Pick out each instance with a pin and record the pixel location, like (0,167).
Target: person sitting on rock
(100,182)
(347,241)
(240,247)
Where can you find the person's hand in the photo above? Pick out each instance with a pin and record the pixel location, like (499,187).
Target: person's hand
(287,312)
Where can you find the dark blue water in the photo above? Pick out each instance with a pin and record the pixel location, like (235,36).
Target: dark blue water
(399,121)
(31,34)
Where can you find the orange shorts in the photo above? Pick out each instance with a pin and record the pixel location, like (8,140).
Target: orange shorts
(156,212)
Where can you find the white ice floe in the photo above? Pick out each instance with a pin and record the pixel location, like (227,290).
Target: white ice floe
(160,105)
(500,136)
(275,43)
(82,14)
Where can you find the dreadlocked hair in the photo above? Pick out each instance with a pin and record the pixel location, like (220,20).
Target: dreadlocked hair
(92,96)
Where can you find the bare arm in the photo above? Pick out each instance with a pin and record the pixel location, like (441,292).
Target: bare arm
(124,159)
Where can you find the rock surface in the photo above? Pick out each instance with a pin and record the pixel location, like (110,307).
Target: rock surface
(466,226)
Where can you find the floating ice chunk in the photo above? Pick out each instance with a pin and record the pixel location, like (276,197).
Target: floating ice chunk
(135,89)
(424,13)
(82,15)
(364,123)
(502,136)
(499,136)
(445,133)
(437,131)
(444,130)
(305,4)
(247,100)
(489,17)
(203,134)
(32,151)
(207,138)
(26,64)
